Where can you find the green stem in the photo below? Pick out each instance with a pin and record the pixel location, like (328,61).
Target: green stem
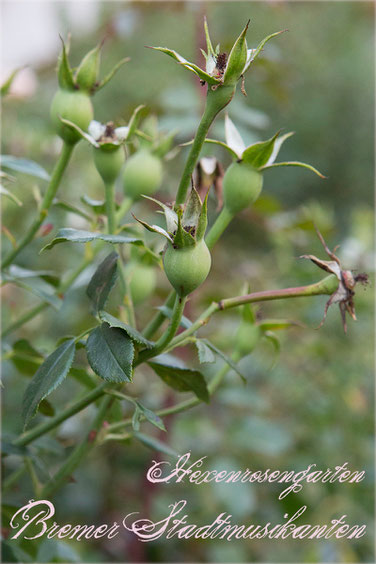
(215,102)
(79,452)
(53,186)
(24,319)
(53,422)
(110,206)
(168,335)
(159,317)
(326,286)
(218,227)
(112,218)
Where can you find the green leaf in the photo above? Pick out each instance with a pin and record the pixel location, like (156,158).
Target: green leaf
(10,195)
(293,163)
(83,377)
(130,331)
(45,408)
(110,353)
(205,354)
(155,444)
(167,312)
(25,358)
(81,236)
(47,378)
(102,282)
(152,417)
(24,165)
(224,357)
(181,379)
(258,154)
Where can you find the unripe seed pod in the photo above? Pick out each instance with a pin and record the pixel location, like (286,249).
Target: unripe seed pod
(242,185)
(108,162)
(142,174)
(142,281)
(247,337)
(74,106)
(187,268)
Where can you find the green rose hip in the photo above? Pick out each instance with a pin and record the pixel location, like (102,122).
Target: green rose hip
(242,185)
(142,282)
(108,163)
(142,174)
(187,268)
(74,106)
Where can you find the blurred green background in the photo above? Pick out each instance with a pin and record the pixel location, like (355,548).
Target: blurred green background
(316,404)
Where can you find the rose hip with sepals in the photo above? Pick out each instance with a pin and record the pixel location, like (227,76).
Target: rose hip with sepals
(187,259)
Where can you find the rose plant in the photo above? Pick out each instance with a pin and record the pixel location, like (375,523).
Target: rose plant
(114,346)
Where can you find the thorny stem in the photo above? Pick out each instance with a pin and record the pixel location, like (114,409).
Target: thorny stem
(53,186)
(326,286)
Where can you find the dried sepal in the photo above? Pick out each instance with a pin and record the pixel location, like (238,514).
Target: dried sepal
(344,295)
